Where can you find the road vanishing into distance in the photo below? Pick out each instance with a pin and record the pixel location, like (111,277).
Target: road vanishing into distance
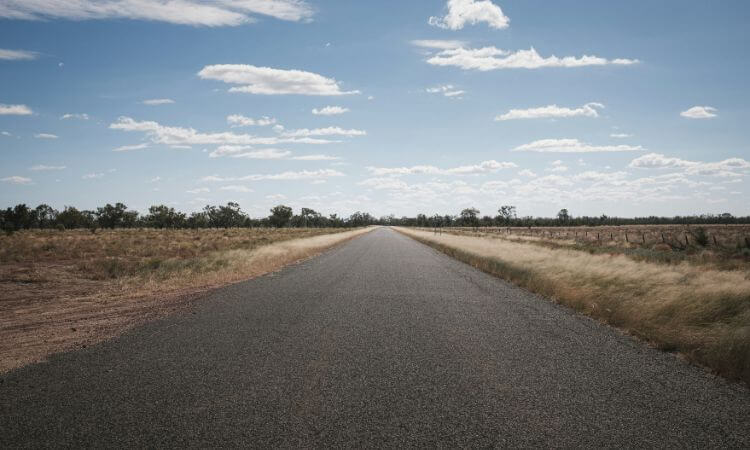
(380,342)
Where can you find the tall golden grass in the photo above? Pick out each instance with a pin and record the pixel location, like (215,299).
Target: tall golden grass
(699,311)
(62,290)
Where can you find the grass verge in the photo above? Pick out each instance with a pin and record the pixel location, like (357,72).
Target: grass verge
(700,312)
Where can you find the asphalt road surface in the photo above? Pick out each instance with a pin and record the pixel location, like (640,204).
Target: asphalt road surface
(381,342)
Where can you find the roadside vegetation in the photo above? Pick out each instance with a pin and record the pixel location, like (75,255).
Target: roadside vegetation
(66,289)
(687,299)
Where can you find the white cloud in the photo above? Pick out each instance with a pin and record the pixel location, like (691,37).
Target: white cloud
(572,146)
(483,167)
(462,12)
(246,151)
(492,58)
(731,167)
(269,81)
(447,90)
(81,116)
(276,197)
(238,120)
(620,135)
(328,131)
(284,176)
(329,111)
(183,12)
(15,179)
(552,111)
(17,55)
(198,190)
(127,148)
(699,112)
(315,158)
(557,167)
(158,101)
(438,43)
(235,188)
(5,133)
(15,110)
(91,176)
(179,136)
(527,173)
(42,167)
(45,136)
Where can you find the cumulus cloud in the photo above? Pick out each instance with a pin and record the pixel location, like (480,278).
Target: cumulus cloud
(15,179)
(46,136)
(731,167)
(328,131)
(483,167)
(158,101)
(572,146)
(492,58)
(179,136)
(17,55)
(527,173)
(268,81)
(183,12)
(462,12)
(238,120)
(42,167)
(700,112)
(15,110)
(127,148)
(551,111)
(245,151)
(448,90)
(329,111)
(284,176)
(315,158)
(81,116)
(438,44)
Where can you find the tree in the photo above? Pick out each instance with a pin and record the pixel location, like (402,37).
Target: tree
(225,216)
(469,217)
(280,215)
(507,214)
(162,216)
(110,216)
(563,216)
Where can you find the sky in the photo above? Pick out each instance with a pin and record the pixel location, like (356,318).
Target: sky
(620,108)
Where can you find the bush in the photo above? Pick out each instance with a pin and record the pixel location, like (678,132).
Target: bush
(701,237)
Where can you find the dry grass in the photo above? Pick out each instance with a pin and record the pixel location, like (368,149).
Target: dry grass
(697,310)
(61,290)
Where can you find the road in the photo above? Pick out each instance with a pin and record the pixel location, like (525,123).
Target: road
(379,342)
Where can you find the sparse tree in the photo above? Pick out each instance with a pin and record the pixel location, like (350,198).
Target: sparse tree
(280,215)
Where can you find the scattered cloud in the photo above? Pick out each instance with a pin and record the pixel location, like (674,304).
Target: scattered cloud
(92,176)
(182,12)
(483,167)
(315,158)
(527,173)
(731,167)
(275,197)
(328,131)
(284,176)
(15,179)
(246,151)
(620,135)
(330,111)
(462,12)
(42,167)
(16,55)
(15,110)
(158,101)
(236,188)
(448,90)
(127,148)
(572,146)
(238,120)
(700,112)
(438,44)
(269,81)
(198,190)
(492,58)
(557,167)
(81,116)
(179,136)
(46,136)
(552,111)
(5,133)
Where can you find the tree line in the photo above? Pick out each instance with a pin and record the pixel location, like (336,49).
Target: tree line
(230,215)
(110,216)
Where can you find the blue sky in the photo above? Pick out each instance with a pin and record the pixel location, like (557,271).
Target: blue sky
(629,108)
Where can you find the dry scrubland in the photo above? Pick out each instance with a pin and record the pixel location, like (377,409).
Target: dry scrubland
(692,300)
(65,289)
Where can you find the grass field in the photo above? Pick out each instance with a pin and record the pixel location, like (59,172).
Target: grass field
(695,300)
(66,289)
